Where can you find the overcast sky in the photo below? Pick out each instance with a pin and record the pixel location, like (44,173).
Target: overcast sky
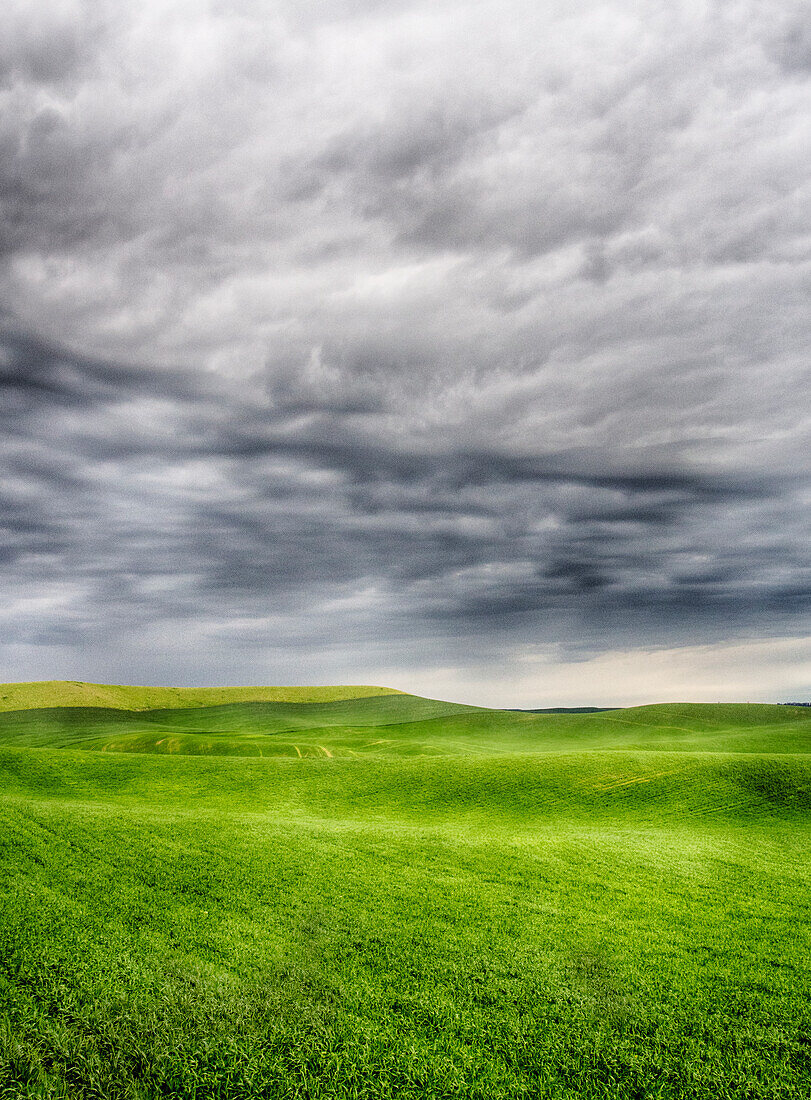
(461,347)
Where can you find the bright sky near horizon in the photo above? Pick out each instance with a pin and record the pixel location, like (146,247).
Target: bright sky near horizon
(458,347)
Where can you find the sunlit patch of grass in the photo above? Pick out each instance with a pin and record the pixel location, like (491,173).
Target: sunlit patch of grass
(76,693)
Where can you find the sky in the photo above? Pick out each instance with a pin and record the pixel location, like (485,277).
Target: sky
(457,347)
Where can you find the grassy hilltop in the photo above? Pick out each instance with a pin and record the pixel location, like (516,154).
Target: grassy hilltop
(361,893)
(75,693)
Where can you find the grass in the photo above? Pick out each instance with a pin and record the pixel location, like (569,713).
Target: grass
(75,693)
(483,904)
(405,725)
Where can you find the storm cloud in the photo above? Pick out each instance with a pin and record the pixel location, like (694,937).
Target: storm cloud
(350,338)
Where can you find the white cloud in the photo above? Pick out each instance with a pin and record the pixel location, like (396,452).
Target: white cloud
(770,670)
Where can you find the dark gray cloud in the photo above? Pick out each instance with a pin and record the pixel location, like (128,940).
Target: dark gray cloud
(175,498)
(378,335)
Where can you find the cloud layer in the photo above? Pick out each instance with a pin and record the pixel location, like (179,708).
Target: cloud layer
(369,335)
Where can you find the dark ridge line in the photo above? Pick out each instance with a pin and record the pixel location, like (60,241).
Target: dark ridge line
(561,710)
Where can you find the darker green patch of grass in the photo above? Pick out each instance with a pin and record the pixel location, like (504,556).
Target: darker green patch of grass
(406,725)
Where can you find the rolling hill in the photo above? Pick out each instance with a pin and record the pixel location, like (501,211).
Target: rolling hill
(76,693)
(355,892)
(392,723)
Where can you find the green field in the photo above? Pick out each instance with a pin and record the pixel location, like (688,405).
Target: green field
(343,892)
(76,693)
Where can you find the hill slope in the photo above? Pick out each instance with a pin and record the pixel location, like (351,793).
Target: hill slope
(75,693)
(517,792)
